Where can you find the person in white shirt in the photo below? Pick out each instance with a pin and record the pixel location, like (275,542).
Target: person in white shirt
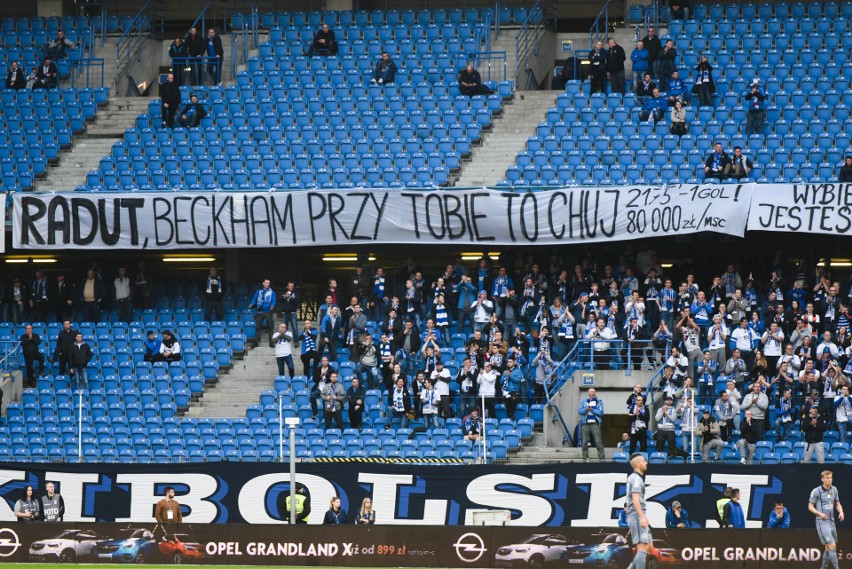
(602,351)
(482,310)
(441,381)
(717,337)
(169,348)
(679,363)
(794,363)
(487,382)
(772,341)
(282,342)
(734,398)
(843,411)
(430,400)
(688,413)
(123,296)
(634,307)
(828,343)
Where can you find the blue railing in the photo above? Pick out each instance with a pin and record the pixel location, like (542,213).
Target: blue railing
(10,356)
(148,20)
(198,65)
(244,38)
(485,62)
(86,73)
(527,39)
(600,27)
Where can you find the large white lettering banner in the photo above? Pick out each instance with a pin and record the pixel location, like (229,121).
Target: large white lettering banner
(189,220)
(802,208)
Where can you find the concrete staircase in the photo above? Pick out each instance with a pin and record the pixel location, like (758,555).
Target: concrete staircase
(509,136)
(241,387)
(504,42)
(87,150)
(535,452)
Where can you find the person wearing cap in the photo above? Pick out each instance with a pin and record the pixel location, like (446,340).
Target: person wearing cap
(755,99)
(591,413)
(845,174)
(676,516)
(482,310)
(666,417)
(709,431)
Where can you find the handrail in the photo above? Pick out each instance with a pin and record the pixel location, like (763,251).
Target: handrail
(650,389)
(10,355)
(148,21)
(553,383)
(244,39)
(89,66)
(479,56)
(595,30)
(528,36)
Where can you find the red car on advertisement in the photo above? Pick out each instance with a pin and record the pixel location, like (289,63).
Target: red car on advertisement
(181,548)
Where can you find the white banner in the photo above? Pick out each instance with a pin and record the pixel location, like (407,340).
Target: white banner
(802,208)
(190,220)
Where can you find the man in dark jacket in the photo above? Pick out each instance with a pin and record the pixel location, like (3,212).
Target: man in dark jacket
(597,69)
(214,292)
(91,293)
(15,78)
(29,345)
(846,170)
(385,71)
(399,401)
(62,300)
(215,55)
(192,113)
(324,42)
(46,75)
(178,51)
(615,67)
(716,163)
(356,395)
(81,355)
(195,48)
(64,343)
(814,428)
(654,47)
(470,82)
(170,95)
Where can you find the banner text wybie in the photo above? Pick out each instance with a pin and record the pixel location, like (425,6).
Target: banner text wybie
(188,220)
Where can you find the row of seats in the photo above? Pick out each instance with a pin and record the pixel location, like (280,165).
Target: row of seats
(29,38)
(750,11)
(51,24)
(796,43)
(193,383)
(758,26)
(303,36)
(363,18)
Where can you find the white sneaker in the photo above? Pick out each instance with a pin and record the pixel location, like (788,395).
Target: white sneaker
(742,461)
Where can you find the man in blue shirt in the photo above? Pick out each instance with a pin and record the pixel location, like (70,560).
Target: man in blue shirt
(676,89)
(263,303)
(755,98)
(654,108)
(779,517)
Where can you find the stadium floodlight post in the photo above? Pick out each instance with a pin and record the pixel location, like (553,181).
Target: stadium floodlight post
(292,423)
(80,429)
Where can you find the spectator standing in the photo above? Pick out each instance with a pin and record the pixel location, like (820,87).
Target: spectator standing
(704,84)
(399,402)
(823,501)
(214,292)
(615,67)
(385,70)
(15,77)
(843,411)
(779,517)
(79,358)
(335,515)
(263,303)
(192,113)
(355,396)
(282,341)
(177,51)
(591,413)
(333,397)
(486,382)
(676,516)
(757,402)
(142,286)
(52,505)
(123,295)
(544,366)
(597,71)
(639,416)
(30,343)
(91,296)
(709,431)
(215,54)
(845,174)
(170,97)
(814,428)
(750,434)
(666,417)
(168,512)
(62,301)
(654,47)
(330,329)
(430,400)
(639,57)
(324,42)
(27,508)
(290,306)
(368,363)
(39,298)
(733,516)
(755,99)
(195,47)
(64,343)
(667,65)
(785,416)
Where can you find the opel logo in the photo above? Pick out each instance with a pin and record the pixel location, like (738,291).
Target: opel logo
(470,547)
(9,542)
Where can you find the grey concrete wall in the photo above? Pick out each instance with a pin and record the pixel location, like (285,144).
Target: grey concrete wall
(146,67)
(49,8)
(541,64)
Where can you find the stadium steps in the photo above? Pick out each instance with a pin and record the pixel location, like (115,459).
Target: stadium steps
(87,150)
(506,42)
(536,452)
(242,386)
(509,136)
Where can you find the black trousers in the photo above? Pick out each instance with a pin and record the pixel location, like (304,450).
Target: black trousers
(336,417)
(29,360)
(666,436)
(639,441)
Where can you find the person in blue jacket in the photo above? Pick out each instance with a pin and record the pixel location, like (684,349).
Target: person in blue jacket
(755,103)
(654,108)
(263,303)
(639,57)
(466,292)
(677,517)
(335,515)
(779,517)
(512,377)
(732,512)
(676,90)
(330,332)
(152,346)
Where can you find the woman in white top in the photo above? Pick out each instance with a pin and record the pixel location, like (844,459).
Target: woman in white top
(487,382)
(734,398)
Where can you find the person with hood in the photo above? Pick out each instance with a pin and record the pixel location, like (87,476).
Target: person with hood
(169,348)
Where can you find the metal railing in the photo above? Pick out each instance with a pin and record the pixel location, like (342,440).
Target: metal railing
(244,39)
(528,36)
(83,73)
(600,27)
(147,22)
(485,62)
(10,356)
(193,70)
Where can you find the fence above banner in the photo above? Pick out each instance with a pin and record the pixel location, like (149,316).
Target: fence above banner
(198,220)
